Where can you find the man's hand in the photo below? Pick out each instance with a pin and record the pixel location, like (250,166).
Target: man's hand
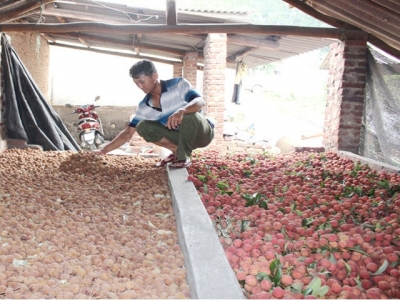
(193,106)
(175,119)
(99,152)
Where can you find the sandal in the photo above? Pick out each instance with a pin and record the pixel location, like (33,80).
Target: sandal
(177,164)
(166,160)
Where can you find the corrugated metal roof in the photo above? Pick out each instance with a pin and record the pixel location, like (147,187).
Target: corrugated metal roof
(379,18)
(172,46)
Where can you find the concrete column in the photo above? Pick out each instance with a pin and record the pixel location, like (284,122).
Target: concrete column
(346,89)
(178,69)
(215,52)
(190,67)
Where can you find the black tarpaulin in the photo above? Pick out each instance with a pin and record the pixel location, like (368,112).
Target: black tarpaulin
(28,116)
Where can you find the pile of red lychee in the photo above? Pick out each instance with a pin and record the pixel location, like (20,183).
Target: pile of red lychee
(304,225)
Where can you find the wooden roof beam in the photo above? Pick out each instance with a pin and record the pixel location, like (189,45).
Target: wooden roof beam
(90,17)
(116,53)
(25,7)
(6,3)
(47,37)
(91,39)
(61,19)
(240,55)
(254,43)
(333,33)
(83,42)
(171,12)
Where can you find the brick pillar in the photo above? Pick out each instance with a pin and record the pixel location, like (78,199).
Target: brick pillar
(3,144)
(190,67)
(345,103)
(178,72)
(214,83)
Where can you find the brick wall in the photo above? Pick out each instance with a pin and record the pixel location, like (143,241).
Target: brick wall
(34,53)
(345,103)
(177,69)
(190,67)
(214,83)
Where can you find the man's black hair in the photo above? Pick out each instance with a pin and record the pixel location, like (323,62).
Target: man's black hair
(143,67)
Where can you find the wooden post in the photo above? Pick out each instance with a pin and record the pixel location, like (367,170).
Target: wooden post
(171,12)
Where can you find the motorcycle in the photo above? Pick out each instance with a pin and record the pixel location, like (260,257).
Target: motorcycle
(89,126)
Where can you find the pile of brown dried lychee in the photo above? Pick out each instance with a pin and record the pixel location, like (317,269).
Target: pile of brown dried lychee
(77,225)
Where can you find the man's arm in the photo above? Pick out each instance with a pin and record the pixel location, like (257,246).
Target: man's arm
(192,107)
(122,137)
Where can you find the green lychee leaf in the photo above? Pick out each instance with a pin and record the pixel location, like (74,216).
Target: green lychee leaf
(332,259)
(321,292)
(202,178)
(357,249)
(262,275)
(296,287)
(244,225)
(348,268)
(359,284)
(315,284)
(382,268)
(306,222)
(277,277)
(263,204)
(274,266)
(299,212)
(306,291)
(222,185)
(249,203)
(286,245)
(395,264)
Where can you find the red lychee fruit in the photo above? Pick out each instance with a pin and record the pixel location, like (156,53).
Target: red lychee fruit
(278,292)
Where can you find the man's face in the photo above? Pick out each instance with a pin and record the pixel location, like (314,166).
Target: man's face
(146,83)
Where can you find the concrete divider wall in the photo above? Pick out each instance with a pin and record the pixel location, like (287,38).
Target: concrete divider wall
(373,164)
(209,274)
